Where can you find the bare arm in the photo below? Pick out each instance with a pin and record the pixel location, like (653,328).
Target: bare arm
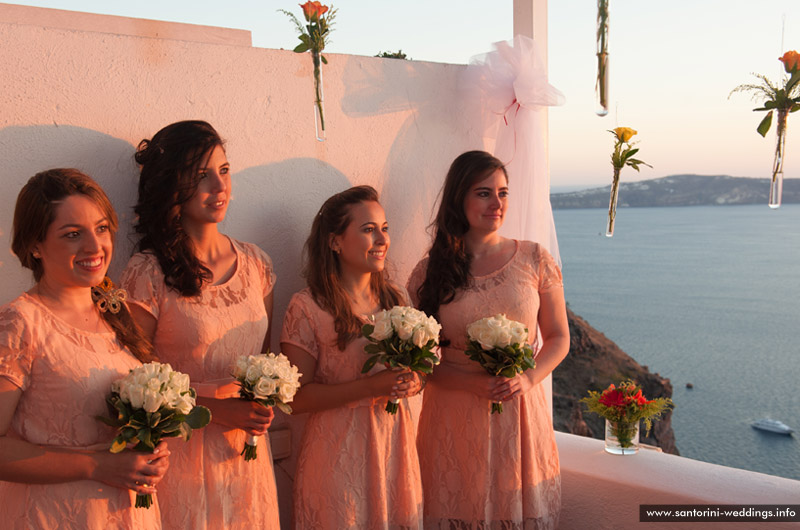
(315,397)
(554,327)
(21,461)
(268,303)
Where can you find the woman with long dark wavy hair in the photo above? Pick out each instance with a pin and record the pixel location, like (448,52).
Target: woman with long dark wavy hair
(508,460)
(204,298)
(358,465)
(61,347)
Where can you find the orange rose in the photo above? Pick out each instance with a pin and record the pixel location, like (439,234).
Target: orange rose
(790,60)
(313,10)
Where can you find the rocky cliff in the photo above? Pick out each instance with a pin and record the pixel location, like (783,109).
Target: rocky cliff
(593,363)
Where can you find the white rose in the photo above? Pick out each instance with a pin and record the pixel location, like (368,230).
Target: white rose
(481,332)
(240,367)
(253,373)
(265,387)
(420,337)
(383,328)
(153,399)
(185,404)
(519,333)
(136,396)
(286,393)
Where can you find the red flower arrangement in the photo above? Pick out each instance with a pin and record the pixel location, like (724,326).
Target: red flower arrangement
(624,406)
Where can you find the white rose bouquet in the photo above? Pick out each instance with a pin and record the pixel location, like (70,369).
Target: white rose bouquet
(268,379)
(499,345)
(152,402)
(402,337)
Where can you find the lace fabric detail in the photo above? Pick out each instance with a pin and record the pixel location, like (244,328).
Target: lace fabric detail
(209,485)
(509,460)
(65,375)
(358,465)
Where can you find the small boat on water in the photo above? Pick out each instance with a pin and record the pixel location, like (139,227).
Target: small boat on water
(768,424)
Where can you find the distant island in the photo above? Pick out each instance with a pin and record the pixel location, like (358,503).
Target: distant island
(680,190)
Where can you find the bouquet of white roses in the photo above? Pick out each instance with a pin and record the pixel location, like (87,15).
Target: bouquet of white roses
(268,379)
(402,337)
(153,402)
(499,345)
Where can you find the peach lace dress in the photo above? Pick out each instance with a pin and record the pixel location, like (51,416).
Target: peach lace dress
(209,484)
(65,375)
(357,467)
(479,470)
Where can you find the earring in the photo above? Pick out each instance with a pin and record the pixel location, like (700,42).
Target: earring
(36,254)
(107,298)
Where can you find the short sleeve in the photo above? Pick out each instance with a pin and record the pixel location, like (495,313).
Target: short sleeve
(299,326)
(143,280)
(16,352)
(266,271)
(549,274)
(415,281)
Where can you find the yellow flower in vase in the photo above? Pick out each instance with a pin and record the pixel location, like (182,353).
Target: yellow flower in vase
(621,156)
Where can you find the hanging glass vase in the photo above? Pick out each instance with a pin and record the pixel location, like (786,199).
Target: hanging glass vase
(776,185)
(601,86)
(622,438)
(612,204)
(319,101)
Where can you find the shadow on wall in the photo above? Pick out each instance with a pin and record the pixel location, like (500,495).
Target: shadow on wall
(31,149)
(427,142)
(278,206)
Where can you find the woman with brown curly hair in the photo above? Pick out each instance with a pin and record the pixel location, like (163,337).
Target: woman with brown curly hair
(59,353)
(509,460)
(205,299)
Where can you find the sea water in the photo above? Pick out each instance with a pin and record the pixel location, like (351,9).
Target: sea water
(707,295)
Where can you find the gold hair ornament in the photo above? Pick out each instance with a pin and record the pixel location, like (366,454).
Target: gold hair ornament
(107,298)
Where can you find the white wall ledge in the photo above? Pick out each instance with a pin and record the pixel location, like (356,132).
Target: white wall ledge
(601,490)
(116,25)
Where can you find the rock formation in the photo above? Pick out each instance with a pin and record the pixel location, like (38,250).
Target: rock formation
(594,362)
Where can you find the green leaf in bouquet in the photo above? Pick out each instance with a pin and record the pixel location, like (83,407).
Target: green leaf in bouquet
(284,407)
(509,372)
(300,48)
(373,349)
(118,446)
(367,329)
(324,60)
(153,418)
(186,431)
(144,437)
(370,363)
(199,417)
(128,433)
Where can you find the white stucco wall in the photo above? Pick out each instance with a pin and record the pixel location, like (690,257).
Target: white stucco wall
(77,98)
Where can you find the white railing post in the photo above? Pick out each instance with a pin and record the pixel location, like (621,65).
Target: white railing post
(530,20)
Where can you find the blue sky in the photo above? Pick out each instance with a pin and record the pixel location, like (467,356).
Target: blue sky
(672,67)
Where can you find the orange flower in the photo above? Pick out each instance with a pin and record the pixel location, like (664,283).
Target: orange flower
(624,133)
(313,10)
(791,61)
